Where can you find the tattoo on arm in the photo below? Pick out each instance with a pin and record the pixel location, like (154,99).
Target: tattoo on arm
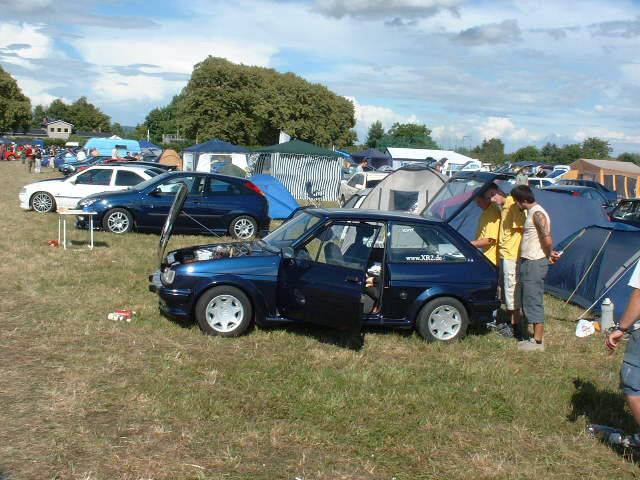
(542,225)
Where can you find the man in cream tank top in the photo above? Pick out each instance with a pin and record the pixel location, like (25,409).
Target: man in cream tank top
(535,255)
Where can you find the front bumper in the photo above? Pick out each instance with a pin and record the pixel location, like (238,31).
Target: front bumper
(24,201)
(173,302)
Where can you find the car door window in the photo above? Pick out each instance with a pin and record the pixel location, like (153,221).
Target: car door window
(356,180)
(99,176)
(345,245)
(125,178)
(422,244)
(169,187)
(218,188)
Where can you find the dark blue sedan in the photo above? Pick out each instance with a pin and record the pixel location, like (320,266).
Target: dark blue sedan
(341,268)
(215,204)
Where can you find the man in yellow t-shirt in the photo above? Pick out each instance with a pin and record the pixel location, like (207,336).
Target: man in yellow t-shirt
(511,227)
(488,229)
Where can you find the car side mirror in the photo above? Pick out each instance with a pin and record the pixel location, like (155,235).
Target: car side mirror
(155,192)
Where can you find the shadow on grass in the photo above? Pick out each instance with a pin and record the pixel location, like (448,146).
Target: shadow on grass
(603,408)
(352,340)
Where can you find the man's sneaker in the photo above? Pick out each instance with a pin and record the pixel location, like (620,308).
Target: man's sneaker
(493,325)
(530,346)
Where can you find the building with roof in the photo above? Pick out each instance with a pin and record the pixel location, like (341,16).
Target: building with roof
(59,129)
(620,177)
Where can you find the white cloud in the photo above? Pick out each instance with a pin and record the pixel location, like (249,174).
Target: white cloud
(504,128)
(607,134)
(383,8)
(31,41)
(116,88)
(366,115)
(506,31)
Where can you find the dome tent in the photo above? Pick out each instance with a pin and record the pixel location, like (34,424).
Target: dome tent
(171,157)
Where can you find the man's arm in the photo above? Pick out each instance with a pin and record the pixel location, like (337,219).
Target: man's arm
(483,242)
(544,232)
(630,315)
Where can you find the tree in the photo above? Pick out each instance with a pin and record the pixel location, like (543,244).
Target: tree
(408,135)
(117,129)
(596,148)
(86,116)
(376,132)
(550,153)
(250,105)
(15,107)
(38,117)
(569,154)
(58,110)
(526,154)
(490,151)
(629,157)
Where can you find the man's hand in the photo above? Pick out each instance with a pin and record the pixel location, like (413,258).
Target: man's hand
(613,339)
(554,257)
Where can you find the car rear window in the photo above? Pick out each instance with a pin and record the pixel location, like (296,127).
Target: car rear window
(125,178)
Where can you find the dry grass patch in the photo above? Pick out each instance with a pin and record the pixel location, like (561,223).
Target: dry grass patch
(82,397)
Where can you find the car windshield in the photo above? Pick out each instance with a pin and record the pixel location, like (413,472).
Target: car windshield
(556,173)
(291,230)
(451,197)
(150,181)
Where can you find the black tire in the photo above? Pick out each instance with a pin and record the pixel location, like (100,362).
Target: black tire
(118,221)
(43,202)
(443,319)
(243,227)
(224,311)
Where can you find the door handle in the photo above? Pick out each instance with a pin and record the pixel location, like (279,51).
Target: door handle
(353,279)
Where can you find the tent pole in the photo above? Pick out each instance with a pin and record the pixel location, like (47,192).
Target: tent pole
(589,269)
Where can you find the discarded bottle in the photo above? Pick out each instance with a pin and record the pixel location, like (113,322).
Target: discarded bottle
(606,315)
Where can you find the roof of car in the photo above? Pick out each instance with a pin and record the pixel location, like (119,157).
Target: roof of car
(364,214)
(575,188)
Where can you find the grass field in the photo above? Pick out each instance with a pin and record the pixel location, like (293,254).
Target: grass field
(82,397)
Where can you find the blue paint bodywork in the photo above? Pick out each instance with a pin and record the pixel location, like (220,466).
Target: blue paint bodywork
(272,280)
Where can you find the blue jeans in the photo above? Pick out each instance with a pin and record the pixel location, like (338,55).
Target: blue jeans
(532,273)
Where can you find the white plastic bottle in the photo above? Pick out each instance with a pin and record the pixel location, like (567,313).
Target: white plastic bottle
(606,315)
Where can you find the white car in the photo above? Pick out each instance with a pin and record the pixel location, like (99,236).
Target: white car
(359,181)
(48,195)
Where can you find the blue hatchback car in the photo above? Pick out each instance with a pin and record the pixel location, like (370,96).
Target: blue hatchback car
(214,204)
(340,268)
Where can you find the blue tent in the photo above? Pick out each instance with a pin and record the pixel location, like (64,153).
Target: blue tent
(376,157)
(568,214)
(217,146)
(145,144)
(281,202)
(596,263)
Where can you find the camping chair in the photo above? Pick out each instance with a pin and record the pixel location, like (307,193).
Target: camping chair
(312,195)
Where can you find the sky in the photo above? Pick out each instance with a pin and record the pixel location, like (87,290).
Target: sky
(525,71)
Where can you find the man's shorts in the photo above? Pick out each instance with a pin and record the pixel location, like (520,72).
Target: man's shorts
(509,277)
(630,379)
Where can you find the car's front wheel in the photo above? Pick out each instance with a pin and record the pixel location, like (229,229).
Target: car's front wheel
(117,220)
(43,202)
(243,227)
(224,311)
(443,319)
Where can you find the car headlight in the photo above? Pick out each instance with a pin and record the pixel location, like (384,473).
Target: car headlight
(168,276)
(85,202)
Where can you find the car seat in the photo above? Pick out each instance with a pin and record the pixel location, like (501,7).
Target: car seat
(332,254)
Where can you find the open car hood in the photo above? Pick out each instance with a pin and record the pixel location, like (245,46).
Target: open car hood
(167,228)
(459,191)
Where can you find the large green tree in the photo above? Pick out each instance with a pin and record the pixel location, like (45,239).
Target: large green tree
(250,105)
(526,154)
(490,151)
(15,107)
(408,135)
(596,148)
(82,114)
(375,133)
(160,121)
(629,157)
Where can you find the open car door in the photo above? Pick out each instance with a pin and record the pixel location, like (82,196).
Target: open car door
(322,280)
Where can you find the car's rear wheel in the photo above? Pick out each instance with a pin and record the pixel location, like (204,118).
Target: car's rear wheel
(43,202)
(243,227)
(117,220)
(443,319)
(224,311)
